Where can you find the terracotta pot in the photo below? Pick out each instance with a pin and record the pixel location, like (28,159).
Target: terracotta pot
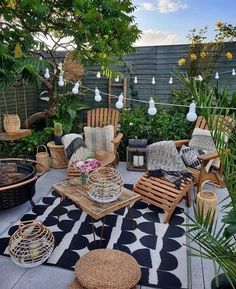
(11,123)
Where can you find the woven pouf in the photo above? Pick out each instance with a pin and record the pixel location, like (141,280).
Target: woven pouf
(107,268)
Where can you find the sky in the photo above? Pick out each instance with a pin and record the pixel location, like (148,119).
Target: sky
(166,22)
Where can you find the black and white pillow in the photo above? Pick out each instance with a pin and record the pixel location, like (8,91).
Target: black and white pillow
(190,156)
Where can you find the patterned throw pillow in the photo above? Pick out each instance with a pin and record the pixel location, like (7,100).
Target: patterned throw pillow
(99,138)
(190,156)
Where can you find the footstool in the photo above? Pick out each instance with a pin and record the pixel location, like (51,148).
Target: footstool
(106,269)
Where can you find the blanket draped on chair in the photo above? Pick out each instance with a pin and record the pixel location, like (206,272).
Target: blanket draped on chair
(163,160)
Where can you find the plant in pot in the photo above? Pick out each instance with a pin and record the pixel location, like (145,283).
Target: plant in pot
(58,133)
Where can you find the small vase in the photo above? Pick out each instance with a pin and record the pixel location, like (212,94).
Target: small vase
(84,179)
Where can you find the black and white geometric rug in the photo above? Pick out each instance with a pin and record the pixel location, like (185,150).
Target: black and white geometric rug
(157,247)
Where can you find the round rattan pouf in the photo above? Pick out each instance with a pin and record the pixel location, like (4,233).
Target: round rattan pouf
(107,268)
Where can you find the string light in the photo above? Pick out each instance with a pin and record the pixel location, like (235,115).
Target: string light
(98,74)
(135,80)
(152,109)
(47,74)
(97,95)
(217,75)
(117,79)
(153,80)
(191,115)
(233,72)
(171,80)
(61,81)
(75,89)
(119,103)
(199,78)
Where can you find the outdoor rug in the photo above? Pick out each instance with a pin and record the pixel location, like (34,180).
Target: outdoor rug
(157,247)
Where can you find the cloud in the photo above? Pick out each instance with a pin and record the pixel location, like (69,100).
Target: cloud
(155,37)
(168,6)
(147,6)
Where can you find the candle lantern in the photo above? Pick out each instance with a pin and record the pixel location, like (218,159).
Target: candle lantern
(136,155)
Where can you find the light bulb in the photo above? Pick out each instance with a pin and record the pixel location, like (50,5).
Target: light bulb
(75,89)
(41,58)
(97,95)
(153,80)
(171,80)
(152,109)
(47,74)
(61,82)
(217,75)
(60,66)
(192,116)
(200,78)
(99,74)
(117,78)
(233,72)
(119,103)
(135,80)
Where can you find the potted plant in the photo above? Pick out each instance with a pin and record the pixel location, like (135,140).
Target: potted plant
(58,133)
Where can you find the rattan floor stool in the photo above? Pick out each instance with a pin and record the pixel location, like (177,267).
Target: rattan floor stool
(106,269)
(162,193)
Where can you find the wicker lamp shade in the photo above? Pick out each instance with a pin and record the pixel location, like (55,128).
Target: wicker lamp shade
(104,185)
(73,70)
(206,202)
(31,244)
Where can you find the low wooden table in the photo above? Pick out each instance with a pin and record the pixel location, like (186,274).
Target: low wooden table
(77,193)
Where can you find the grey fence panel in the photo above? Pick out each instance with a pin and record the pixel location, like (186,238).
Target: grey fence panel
(146,62)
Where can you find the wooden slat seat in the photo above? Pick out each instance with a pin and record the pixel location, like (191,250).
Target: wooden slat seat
(162,193)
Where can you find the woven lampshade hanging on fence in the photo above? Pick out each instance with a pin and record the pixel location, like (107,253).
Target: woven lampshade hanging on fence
(73,70)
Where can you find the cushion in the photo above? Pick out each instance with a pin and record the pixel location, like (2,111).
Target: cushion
(190,156)
(79,152)
(99,138)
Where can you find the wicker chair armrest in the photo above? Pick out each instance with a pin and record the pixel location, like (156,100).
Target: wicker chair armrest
(181,142)
(117,139)
(208,157)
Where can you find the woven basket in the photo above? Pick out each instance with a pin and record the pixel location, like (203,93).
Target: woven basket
(73,70)
(206,203)
(31,244)
(58,156)
(43,158)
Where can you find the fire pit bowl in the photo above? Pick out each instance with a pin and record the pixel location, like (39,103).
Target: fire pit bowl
(17,181)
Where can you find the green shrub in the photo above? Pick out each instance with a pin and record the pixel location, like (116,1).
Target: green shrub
(25,147)
(167,124)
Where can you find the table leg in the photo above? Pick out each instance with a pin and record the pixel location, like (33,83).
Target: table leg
(59,207)
(101,236)
(93,228)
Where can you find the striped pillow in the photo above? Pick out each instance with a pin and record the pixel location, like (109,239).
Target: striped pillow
(99,138)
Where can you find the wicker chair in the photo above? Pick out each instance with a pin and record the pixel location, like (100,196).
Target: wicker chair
(226,124)
(100,117)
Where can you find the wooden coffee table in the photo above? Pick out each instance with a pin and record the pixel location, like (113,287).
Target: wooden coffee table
(77,193)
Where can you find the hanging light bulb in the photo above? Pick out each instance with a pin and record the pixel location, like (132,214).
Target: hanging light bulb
(99,74)
(97,95)
(60,66)
(75,89)
(119,103)
(200,78)
(117,78)
(233,72)
(47,74)
(152,109)
(41,58)
(153,80)
(61,81)
(171,80)
(192,116)
(135,80)
(217,75)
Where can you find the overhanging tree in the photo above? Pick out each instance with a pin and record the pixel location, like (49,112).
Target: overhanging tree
(98,31)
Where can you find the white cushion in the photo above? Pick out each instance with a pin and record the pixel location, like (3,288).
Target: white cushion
(99,138)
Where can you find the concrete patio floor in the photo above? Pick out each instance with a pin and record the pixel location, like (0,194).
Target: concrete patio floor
(200,272)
